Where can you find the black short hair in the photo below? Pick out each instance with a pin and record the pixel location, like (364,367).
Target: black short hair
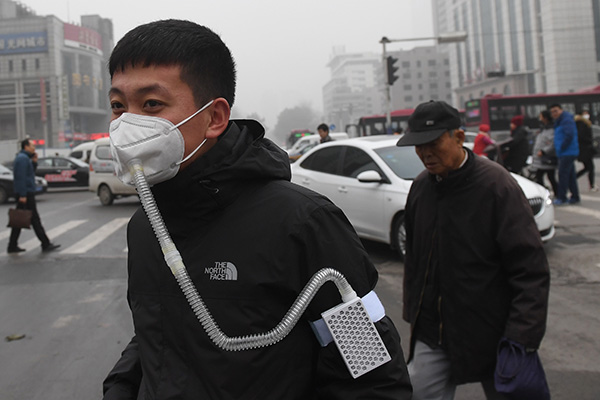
(555,105)
(24,143)
(547,116)
(207,66)
(323,127)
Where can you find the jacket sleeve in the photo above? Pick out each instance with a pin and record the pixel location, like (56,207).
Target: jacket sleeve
(332,242)
(20,176)
(569,133)
(525,264)
(123,381)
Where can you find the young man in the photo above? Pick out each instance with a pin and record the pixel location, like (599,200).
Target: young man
(323,131)
(475,267)
(566,146)
(249,238)
(24,184)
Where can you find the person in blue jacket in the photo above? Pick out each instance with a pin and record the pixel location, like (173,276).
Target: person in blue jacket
(567,150)
(24,184)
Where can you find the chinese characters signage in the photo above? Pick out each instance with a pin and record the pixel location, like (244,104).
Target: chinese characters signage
(83,38)
(29,42)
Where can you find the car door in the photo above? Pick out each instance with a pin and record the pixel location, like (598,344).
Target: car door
(362,202)
(320,171)
(47,170)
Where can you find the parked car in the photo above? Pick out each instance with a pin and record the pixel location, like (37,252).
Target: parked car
(103,180)
(7,190)
(369,179)
(63,171)
(306,143)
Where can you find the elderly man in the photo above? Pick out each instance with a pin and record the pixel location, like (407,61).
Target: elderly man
(475,269)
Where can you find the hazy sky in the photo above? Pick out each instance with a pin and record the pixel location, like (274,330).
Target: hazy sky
(281,48)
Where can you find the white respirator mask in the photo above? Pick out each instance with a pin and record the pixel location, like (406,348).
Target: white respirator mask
(156,142)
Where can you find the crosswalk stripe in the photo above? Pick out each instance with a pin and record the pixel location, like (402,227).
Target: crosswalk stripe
(95,237)
(54,232)
(582,211)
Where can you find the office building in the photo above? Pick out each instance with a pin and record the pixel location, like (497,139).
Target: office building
(53,77)
(520,46)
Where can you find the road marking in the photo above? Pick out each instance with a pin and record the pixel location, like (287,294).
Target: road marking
(582,211)
(585,197)
(52,233)
(95,237)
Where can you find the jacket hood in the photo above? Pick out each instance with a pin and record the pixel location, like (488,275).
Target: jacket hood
(241,154)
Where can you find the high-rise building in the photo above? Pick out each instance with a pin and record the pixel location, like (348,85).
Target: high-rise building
(354,89)
(53,77)
(520,46)
(357,84)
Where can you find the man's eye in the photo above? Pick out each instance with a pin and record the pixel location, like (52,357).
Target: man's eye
(115,105)
(153,103)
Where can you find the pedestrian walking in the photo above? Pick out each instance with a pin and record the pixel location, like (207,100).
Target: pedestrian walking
(24,185)
(516,149)
(482,140)
(566,146)
(250,240)
(586,148)
(544,160)
(475,269)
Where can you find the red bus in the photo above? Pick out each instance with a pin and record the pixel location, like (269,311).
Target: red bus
(497,110)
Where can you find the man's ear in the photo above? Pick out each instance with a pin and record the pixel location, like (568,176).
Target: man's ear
(459,136)
(219,118)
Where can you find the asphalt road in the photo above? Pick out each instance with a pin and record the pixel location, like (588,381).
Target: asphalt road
(68,316)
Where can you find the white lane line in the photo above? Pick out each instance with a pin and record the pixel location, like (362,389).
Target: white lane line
(95,237)
(581,211)
(585,197)
(52,233)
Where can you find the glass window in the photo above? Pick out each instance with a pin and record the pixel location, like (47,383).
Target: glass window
(103,152)
(45,162)
(357,161)
(61,162)
(325,160)
(402,160)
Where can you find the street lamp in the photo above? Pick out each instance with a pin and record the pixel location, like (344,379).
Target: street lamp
(443,38)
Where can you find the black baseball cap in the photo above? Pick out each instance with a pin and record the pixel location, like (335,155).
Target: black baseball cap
(428,122)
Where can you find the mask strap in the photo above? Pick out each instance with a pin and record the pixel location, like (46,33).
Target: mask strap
(186,120)
(193,115)
(191,154)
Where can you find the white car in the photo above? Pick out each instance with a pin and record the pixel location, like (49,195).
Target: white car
(103,180)
(369,179)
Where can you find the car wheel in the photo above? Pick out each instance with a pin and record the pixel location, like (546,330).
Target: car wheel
(3,195)
(399,236)
(106,195)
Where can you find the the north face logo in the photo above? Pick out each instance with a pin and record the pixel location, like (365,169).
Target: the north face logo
(222,271)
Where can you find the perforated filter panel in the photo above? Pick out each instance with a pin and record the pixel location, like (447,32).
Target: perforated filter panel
(356,337)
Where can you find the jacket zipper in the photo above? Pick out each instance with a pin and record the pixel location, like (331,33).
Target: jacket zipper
(440,316)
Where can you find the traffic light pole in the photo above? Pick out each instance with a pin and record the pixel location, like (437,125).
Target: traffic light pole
(448,37)
(388,89)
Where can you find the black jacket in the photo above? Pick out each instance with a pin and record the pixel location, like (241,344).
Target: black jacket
(235,207)
(491,271)
(518,149)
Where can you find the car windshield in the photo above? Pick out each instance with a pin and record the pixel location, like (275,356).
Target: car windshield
(402,160)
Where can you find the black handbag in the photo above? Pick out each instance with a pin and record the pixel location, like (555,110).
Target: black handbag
(519,373)
(19,218)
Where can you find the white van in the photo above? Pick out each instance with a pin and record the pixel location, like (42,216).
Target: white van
(82,151)
(306,143)
(103,180)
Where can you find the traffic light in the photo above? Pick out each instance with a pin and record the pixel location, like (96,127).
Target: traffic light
(391,70)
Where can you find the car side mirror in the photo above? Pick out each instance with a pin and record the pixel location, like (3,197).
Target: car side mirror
(370,176)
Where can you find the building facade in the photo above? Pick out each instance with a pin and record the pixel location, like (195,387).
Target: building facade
(423,75)
(53,77)
(357,86)
(520,46)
